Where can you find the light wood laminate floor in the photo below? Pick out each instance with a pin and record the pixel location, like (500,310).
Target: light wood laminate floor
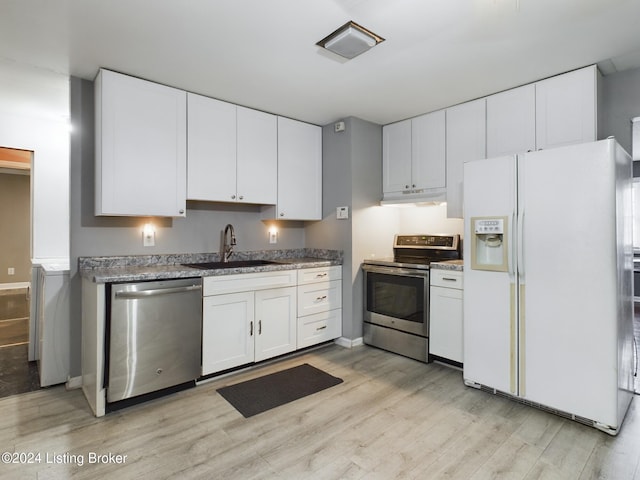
(391,418)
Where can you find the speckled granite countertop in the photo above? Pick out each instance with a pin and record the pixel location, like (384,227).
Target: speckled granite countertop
(134,268)
(448,265)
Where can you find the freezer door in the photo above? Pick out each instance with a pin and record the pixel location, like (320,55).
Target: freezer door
(490,327)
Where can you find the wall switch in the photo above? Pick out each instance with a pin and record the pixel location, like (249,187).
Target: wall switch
(273,237)
(342,213)
(11,271)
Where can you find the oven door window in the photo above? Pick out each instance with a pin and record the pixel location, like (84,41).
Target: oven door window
(396,296)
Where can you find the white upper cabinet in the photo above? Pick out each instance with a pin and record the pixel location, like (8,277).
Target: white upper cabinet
(232,155)
(396,156)
(414,157)
(554,112)
(257,160)
(211,149)
(566,109)
(428,153)
(141,135)
(299,170)
(511,121)
(466,141)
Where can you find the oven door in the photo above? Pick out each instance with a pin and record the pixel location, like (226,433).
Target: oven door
(397,298)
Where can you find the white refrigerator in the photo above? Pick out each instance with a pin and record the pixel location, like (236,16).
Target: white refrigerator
(548,275)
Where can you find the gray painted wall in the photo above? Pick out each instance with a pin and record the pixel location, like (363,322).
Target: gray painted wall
(200,231)
(352,176)
(620,103)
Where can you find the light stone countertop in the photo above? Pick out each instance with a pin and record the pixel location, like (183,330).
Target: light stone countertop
(161,267)
(455,265)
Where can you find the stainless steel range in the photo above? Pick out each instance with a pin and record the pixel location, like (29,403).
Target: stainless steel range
(396,293)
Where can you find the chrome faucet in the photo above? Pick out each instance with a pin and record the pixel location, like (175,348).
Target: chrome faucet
(227,248)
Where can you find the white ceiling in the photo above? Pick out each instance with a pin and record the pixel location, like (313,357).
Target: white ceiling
(262,53)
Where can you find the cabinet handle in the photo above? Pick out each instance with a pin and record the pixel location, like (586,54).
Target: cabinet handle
(319,299)
(259,327)
(233,197)
(321,275)
(449,279)
(251,329)
(282,214)
(181,211)
(413,185)
(406,186)
(321,328)
(241,197)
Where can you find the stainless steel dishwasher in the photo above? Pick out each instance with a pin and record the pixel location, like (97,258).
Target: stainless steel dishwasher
(154,336)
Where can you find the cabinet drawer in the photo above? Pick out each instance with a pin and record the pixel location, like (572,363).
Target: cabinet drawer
(446,278)
(243,282)
(319,274)
(319,327)
(319,297)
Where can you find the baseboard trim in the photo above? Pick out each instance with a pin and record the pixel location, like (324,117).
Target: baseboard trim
(349,343)
(74,383)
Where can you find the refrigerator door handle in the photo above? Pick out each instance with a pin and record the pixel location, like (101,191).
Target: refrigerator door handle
(511,259)
(520,246)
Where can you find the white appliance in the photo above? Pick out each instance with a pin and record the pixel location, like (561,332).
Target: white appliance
(548,265)
(53,332)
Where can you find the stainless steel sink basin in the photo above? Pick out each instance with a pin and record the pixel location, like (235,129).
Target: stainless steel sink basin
(231,264)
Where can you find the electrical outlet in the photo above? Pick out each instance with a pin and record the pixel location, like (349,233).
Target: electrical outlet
(342,213)
(11,271)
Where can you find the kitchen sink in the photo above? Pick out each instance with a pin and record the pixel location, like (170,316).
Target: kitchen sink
(231,264)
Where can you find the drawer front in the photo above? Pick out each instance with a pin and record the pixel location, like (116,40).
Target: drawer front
(319,297)
(243,282)
(319,274)
(320,327)
(446,278)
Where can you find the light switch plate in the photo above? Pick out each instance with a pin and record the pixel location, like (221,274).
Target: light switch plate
(342,213)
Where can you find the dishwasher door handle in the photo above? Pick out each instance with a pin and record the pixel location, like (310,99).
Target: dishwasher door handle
(157,292)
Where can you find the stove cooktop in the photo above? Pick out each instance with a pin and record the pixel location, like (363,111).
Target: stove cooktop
(418,251)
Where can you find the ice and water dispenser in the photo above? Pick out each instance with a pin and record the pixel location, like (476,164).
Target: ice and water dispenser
(489,243)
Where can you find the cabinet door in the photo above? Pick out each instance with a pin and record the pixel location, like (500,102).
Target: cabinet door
(445,323)
(396,157)
(257,155)
(428,150)
(211,149)
(566,109)
(511,126)
(299,170)
(466,141)
(141,150)
(227,331)
(275,322)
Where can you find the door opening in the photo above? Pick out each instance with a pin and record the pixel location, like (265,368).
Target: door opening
(18,373)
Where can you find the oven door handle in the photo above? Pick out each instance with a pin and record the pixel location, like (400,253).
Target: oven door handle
(405,272)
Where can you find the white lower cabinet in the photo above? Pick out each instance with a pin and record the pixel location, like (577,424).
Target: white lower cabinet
(275,322)
(250,317)
(251,324)
(319,305)
(446,315)
(227,337)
